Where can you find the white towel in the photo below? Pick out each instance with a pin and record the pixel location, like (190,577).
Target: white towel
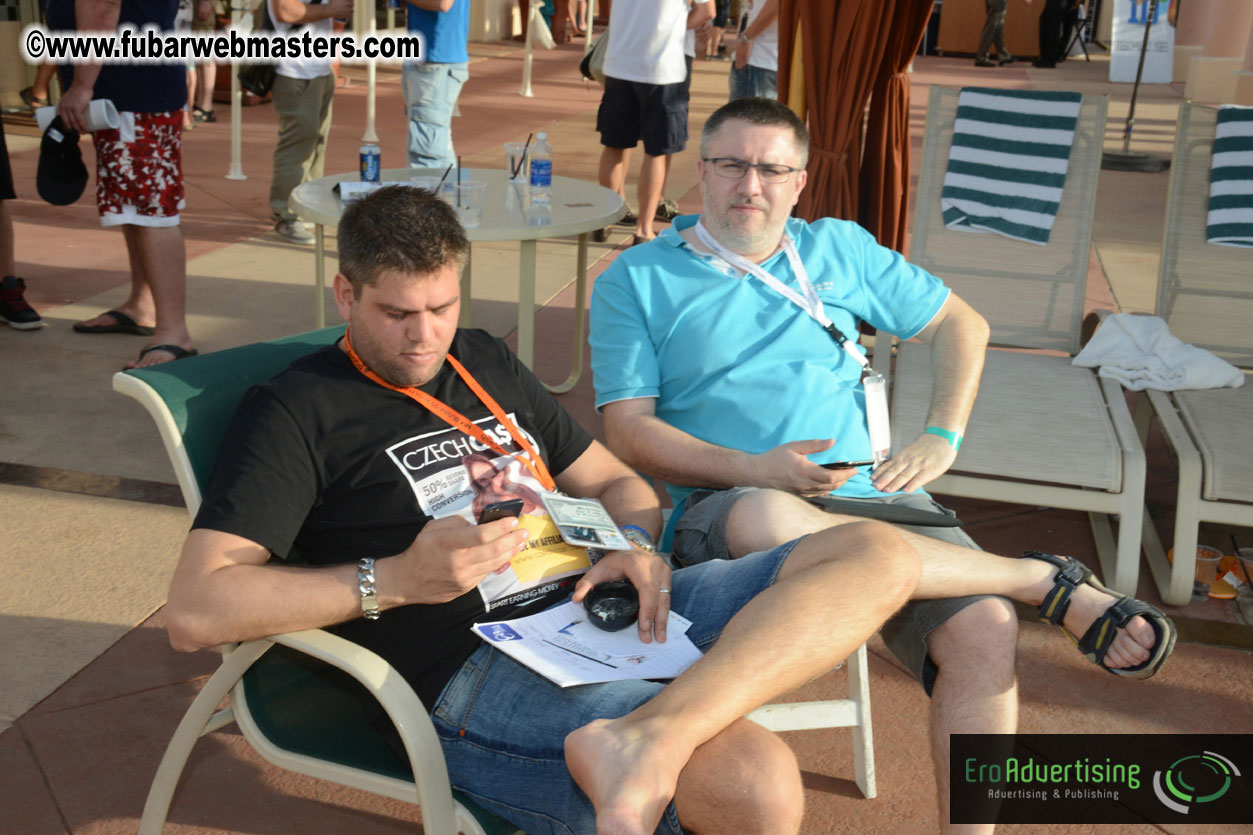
(1141,353)
(1007,164)
(1230,220)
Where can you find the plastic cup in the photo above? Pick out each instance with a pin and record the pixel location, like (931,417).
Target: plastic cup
(424,182)
(1245,555)
(468,196)
(1206,569)
(515,161)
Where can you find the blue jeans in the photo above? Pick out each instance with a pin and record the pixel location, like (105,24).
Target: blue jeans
(754,81)
(503,726)
(431,92)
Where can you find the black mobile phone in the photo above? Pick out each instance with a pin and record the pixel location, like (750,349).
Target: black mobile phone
(846,465)
(500,510)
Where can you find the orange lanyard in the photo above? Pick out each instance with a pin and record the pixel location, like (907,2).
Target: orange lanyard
(455,419)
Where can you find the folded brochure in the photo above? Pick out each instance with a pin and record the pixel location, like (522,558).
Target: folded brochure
(561,645)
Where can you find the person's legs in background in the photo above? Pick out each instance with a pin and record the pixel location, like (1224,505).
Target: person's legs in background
(13,306)
(993,35)
(297,140)
(147,209)
(206,80)
(159,283)
(1050,34)
(618,123)
(36,95)
(714,47)
(431,91)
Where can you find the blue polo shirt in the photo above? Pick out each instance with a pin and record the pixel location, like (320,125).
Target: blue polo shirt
(732,362)
(444,33)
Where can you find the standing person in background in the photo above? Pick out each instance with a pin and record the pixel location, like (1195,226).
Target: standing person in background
(994,33)
(714,47)
(303,90)
(1050,33)
(200,95)
(756,68)
(431,86)
(14,310)
(139,172)
(645,96)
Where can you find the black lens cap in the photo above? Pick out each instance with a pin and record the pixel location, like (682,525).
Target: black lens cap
(612,605)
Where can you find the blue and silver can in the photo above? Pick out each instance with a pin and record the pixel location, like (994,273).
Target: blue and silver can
(371,163)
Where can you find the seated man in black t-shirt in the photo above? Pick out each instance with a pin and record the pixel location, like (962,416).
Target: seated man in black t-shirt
(333,468)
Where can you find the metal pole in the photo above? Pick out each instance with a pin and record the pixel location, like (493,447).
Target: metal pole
(526,62)
(1129,160)
(1135,89)
(363,20)
(237,108)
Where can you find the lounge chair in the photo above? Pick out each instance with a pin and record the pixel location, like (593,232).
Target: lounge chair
(1042,432)
(1205,294)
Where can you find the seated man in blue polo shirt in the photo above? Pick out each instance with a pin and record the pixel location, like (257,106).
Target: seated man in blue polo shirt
(720,362)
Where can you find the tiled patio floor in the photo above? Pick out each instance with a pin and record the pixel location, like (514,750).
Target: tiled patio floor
(91,690)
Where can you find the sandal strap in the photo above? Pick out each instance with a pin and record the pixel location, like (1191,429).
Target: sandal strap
(1070,575)
(1100,635)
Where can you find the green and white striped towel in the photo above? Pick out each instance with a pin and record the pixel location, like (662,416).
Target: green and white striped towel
(1008,162)
(1230,221)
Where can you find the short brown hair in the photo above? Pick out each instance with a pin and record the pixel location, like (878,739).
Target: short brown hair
(757,111)
(398,228)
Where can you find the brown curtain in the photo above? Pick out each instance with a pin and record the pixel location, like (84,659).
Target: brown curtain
(884,181)
(841,50)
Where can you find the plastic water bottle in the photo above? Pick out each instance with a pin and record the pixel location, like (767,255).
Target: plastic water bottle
(541,170)
(371,162)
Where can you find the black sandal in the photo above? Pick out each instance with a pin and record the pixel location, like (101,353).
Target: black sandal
(1100,635)
(199,114)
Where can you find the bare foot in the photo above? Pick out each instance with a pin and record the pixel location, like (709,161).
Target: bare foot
(629,774)
(1134,643)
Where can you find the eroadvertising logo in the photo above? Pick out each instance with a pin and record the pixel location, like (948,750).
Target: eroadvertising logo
(1210,775)
(1101,778)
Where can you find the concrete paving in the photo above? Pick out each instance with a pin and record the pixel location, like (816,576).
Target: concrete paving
(91,690)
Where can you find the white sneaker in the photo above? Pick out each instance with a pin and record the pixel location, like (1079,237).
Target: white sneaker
(294,231)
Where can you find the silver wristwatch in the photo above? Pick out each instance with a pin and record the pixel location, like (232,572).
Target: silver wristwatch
(365,585)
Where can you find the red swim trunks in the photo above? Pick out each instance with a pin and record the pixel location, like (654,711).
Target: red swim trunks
(139,170)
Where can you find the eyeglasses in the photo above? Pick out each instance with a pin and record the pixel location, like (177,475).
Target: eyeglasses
(735,169)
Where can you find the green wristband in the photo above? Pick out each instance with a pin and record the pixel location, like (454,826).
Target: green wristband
(954,440)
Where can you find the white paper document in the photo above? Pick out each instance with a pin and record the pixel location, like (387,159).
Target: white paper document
(561,645)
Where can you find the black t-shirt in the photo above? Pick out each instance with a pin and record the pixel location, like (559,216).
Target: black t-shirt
(322,466)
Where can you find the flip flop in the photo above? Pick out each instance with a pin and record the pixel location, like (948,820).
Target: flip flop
(121,324)
(1100,635)
(176,351)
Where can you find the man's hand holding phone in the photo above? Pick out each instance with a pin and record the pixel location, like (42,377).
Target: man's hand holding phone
(449,557)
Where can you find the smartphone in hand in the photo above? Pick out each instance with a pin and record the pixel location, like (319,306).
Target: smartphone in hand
(500,510)
(846,465)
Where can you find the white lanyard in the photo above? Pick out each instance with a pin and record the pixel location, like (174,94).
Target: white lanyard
(809,302)
(877,421)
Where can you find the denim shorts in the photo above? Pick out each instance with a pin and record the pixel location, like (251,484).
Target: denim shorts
(503,726)
(753,81)
(701,533)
